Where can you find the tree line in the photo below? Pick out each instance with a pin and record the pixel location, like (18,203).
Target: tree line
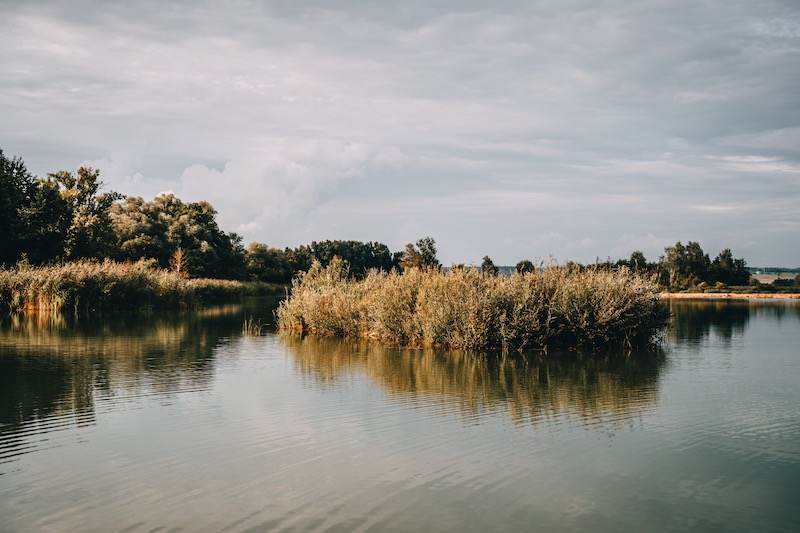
(67,216)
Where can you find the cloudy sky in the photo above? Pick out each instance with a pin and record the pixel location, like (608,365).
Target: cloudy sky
(518,129)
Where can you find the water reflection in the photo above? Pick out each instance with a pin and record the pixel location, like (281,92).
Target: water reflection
(531,388)
(53,364)
(693,321)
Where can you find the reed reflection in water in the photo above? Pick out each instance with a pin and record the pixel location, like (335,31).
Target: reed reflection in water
(531,388)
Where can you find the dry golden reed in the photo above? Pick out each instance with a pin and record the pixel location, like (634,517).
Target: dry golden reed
(464,308)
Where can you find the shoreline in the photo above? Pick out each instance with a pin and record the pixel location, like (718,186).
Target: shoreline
(728,296)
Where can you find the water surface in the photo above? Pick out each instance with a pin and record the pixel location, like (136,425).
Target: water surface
(178,422)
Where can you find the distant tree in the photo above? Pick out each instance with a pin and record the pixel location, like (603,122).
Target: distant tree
(411,258)
(673,263)
(797,280)
(488,267)
(697,263)
(525,266)
(360,256)
(427,252)
(637,261)
(685,265)
(268,264)
(729,271)
(423,255)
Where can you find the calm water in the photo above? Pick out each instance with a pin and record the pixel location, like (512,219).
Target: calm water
(178,423)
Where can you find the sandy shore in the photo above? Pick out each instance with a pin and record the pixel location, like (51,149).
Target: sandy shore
(728,295)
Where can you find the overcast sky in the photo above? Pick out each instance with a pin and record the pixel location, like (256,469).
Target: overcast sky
(517,129)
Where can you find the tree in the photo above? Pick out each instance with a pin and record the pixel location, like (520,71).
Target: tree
(488,267)
(268,264)
(159,228)
(411,258)
(89,234)
(422,256)
(725,269)
(697,263)
(673,263)
(427,251)
(525,266)
(33,216)
(637,261)
(15,185)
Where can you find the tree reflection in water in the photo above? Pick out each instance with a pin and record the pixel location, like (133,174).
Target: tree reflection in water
(53,364)
(532,388)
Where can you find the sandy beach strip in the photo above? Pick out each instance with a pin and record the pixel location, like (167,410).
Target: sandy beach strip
(729,296)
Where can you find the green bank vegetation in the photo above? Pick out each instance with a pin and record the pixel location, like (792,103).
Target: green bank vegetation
(471,309)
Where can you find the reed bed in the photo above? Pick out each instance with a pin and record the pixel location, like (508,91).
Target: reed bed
(464,308)
(111,285)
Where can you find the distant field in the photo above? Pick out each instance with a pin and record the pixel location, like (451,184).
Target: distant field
(769,278)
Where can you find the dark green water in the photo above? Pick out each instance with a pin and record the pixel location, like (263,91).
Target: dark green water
(178,423)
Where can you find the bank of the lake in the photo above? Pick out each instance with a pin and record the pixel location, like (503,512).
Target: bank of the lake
(111,285)
(730,295)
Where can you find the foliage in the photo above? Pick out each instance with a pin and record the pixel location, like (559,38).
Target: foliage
(33,216)
(423,255)
(361,256)
(688,266)
(264,263)
(468,309)
(89,233)
(525,266)
(160,228)
(488,267)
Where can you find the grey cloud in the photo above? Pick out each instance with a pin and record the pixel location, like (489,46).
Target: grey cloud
(621,114)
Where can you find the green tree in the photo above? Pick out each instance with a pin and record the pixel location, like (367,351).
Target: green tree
(410,258)
(697,263)
(15,186)
(423,255)
(728,270)
(33,216)
(89,234)
(46,220)
(488,267)
(268,264)
(427,252)
(637,261)
(159,228)
(525,266)
(673,264)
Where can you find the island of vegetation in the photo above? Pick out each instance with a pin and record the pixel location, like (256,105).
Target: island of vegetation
(477,309)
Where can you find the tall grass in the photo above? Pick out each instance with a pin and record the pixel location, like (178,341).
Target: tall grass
(463,308)
(110,285)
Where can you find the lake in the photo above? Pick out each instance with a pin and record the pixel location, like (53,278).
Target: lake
(178,422)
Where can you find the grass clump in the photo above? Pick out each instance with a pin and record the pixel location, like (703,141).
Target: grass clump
(464,308)
(111,285)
